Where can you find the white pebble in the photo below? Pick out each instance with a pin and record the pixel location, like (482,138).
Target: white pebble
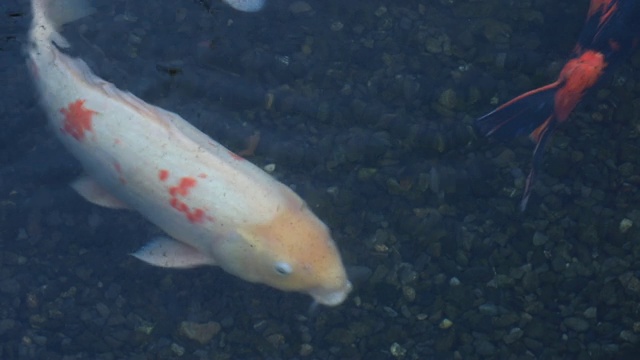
(625,225)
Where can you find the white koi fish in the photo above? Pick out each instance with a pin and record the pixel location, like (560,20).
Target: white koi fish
(217,208)
(246,5)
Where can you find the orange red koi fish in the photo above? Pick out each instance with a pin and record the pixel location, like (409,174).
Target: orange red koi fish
(611,32)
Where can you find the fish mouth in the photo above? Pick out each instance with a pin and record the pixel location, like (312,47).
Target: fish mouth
(331,297)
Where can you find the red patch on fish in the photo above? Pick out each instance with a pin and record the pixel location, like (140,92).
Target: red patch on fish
(183,188)
(163,174)
(77,119)
(194,215)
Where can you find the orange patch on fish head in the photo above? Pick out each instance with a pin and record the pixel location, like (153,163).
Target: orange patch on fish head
(295,252)
(578,76)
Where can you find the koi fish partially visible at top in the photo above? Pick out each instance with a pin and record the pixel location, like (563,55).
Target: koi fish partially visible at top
(246,5)
(611,32)
(217,208)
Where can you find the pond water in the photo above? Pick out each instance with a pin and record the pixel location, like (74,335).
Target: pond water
(366,110)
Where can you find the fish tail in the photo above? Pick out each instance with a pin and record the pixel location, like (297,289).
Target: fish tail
(50,15)
(543,137)
(532,113)
(523,115)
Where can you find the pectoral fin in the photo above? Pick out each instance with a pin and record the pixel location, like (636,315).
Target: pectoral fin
(96,194)
(166,252)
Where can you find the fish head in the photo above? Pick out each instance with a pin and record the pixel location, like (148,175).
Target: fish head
(293,252)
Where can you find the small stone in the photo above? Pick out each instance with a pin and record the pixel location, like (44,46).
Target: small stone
(270,168)
(505,158)
(177,349)
(448,99)
(306,349)
(630,281)
(299,7)
(576,324)
(380,11)
(625,225)
(103,310)
(276,340)
(337,26)
(397,350)
(628,336)
(454,281)
(32,301)
(42,340)
(514,335)
(539,238)
(590,313)
(488,309)
(202,333)
(409,293)
(445,323)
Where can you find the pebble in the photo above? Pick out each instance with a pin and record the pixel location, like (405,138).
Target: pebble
(103,310)
(514,335)
(306,349)
(539,238)
(630,281)
(590,313)
(628,336)
(202,333)
(445,323)
(576,324)
(625,225)
(488,309)
(177,349)
(299,7)
(397,350)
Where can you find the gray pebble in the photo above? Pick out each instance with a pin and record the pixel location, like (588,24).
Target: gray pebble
(576,324)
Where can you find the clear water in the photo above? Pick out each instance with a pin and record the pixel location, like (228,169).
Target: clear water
(366,109)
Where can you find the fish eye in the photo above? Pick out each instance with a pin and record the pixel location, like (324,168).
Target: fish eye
(283,268)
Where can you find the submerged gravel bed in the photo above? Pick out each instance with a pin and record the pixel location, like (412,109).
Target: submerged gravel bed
(365,109)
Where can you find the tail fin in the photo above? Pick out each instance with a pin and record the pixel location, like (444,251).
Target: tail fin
(523,115)
(532,113)
(50,15)
(543,137)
